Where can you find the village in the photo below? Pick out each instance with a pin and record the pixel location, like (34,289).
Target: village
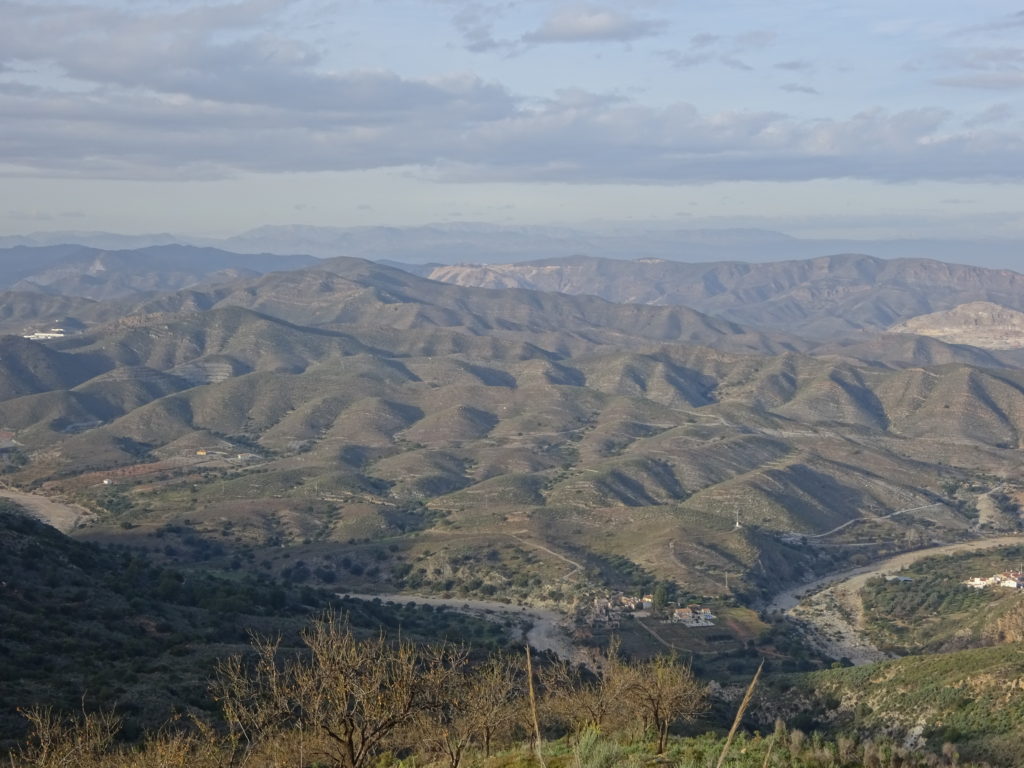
(1008,579)
(609,611)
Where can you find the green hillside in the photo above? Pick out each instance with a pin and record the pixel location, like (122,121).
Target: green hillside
(971,698)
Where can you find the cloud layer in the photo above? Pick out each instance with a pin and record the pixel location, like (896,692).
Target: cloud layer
(209,91)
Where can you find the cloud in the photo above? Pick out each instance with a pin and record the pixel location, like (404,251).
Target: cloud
(703,40)
(755,38)
(678,144)
(1002,24)
(997,113)
(794,65)
(592,24)
(474,23)
(798,88)
(686,60)
(575,137)
(180,54)
(705,47)
(734,63)
(989,81)
(987,68)
(219,95)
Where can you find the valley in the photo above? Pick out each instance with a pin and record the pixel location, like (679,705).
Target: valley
(497,384)
(513,458)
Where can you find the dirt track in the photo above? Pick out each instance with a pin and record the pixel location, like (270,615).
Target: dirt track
(63,517)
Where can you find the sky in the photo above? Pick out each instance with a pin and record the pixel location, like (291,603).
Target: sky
(820,119)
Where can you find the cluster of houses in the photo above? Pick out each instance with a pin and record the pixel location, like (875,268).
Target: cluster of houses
(7,441)
(243,457)
(1010,579)
(53,333)
(693,616)
(609,611)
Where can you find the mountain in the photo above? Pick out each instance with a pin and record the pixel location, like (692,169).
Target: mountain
(352,401)
(348,424)
(480,243)
(112,626)
(343,292)
(977,323)
(92,626)
(73,270)
(825,298)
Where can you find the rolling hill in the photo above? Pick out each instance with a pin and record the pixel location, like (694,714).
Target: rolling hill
(504,411)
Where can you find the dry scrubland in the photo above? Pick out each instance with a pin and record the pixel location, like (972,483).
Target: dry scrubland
(348,427)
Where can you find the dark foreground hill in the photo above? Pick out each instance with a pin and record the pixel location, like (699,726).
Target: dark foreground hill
(132,630)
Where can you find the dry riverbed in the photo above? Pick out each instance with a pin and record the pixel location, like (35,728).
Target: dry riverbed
(830,611)
(546,632)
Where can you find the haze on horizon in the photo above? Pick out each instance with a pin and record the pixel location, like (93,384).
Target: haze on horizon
(827,120)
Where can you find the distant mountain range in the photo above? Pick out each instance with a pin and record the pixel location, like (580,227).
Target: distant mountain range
(826,297)
(387,389)
(94,273)
(493,244)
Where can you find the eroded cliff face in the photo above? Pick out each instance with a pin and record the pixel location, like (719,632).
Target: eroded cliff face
(1007,627)
(978,323)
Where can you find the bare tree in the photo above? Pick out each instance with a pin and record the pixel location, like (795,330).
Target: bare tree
(356,696)
(55,742)
(472,706)
(499,691)
(666,691)
(447,726)
(254,696)
(580,700)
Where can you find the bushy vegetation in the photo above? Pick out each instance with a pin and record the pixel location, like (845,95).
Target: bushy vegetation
(971,698)
(346,702)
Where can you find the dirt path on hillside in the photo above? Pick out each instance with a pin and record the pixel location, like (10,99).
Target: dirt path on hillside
(576,567)
(830,612)
(63,517)
(546,633)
